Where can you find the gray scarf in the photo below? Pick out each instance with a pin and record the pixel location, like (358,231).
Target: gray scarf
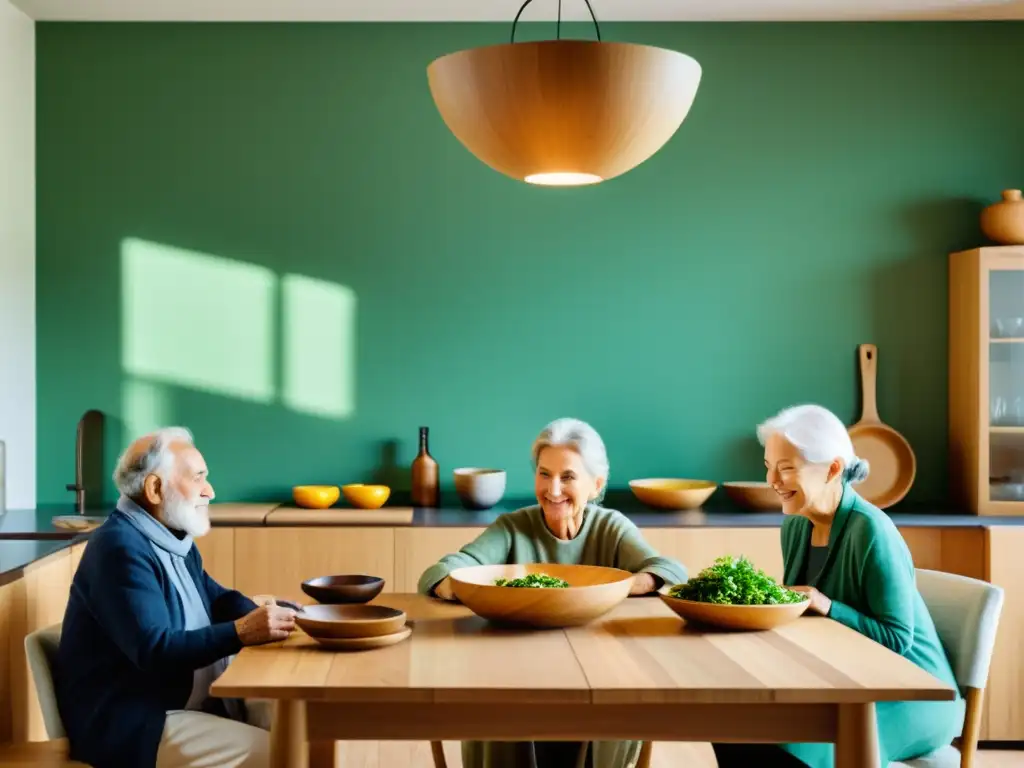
(171,552)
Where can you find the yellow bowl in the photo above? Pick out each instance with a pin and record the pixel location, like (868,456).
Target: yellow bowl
(366,496)
(315,496)
(672,493)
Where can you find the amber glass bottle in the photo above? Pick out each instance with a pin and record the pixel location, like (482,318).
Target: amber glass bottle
(425,489)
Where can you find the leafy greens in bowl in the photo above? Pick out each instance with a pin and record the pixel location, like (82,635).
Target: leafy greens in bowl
(735,581)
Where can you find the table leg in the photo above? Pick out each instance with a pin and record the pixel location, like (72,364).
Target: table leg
(322,754)
(288,735)
(857,740)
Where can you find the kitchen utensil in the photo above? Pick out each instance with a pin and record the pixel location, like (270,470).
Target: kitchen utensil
(77,522)
(752,494)
(366,496)
(672,493)
(592,592)
(349,621)
(355,588)
(741,617)
(363,643)
(891,461)
(315,496)
(479,488)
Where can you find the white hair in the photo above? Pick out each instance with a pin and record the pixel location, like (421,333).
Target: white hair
(582,438)
(820,437)
(133,467)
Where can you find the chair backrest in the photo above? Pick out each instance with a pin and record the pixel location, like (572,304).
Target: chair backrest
(41,650)
(966,615)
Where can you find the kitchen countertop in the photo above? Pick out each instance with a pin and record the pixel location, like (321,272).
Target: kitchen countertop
(27,535)
(35,523)
(17,554)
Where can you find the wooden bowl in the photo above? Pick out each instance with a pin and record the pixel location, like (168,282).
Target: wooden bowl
(366,496)
(672,493)
(333,590)
(349,621)
(753,495)
(742,617)
(315,496)
(592,592)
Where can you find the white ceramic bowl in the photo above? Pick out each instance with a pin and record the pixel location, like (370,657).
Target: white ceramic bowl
(479,488)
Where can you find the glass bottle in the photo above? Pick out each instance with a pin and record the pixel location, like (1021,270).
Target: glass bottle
(425,490)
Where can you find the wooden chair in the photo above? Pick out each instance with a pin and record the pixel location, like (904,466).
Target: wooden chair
(966,614)
(38,754)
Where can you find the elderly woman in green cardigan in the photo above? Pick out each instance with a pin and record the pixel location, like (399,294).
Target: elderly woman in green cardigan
(850,559)
(567,525)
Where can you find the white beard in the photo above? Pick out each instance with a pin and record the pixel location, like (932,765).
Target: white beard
(184,514)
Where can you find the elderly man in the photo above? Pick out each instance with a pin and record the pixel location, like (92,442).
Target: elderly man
(147,630)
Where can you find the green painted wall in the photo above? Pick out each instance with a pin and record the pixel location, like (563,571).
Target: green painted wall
(806,205)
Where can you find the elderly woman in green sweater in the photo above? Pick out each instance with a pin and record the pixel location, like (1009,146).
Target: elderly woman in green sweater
(567,525)
(850,559)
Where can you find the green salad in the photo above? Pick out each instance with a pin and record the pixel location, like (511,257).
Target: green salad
(535,581)
(735,581)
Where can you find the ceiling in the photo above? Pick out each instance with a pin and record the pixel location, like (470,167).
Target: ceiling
(505,10)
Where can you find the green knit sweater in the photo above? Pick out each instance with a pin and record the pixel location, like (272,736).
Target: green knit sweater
(607,538)
(869,577)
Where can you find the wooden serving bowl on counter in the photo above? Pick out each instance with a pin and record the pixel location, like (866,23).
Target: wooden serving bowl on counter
(738,617)
(672,493)
(754,495)
(592,592)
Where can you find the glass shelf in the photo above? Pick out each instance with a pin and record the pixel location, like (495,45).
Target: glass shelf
(1006,385)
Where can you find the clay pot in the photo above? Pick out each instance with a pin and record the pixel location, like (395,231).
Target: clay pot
(1003,222)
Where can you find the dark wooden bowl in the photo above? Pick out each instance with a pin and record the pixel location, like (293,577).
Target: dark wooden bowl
(352,588)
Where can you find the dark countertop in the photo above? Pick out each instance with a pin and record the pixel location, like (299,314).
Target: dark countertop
(16,554)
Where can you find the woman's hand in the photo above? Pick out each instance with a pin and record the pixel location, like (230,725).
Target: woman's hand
(444,589)
(819,603)
(643,584)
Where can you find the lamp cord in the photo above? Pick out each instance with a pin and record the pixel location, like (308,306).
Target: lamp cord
(522,8)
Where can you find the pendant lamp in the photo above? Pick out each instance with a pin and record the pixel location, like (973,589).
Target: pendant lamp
(563,112)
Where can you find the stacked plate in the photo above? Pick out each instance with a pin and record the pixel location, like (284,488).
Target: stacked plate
(353,627)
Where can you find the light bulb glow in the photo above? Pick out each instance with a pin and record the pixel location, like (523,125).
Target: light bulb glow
(562,179)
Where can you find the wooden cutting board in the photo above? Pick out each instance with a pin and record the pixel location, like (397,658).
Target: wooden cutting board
(340,516)
(241,514)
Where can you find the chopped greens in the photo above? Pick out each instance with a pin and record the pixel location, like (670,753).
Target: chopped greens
(535,581)
(735,581)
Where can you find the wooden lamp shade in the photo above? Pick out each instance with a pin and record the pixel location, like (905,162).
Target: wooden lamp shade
(564,112)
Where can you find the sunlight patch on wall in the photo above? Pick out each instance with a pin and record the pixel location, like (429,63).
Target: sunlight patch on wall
(209,324)
(145,407)
(197,320)
(318,346)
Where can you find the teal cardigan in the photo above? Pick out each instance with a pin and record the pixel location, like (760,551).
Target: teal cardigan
(869,577)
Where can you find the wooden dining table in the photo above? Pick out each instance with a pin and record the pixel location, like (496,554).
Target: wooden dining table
(639,672)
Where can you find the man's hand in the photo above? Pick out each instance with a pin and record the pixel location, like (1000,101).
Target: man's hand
(266,624)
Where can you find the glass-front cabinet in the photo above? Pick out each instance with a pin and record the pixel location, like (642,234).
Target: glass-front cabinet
(986,379)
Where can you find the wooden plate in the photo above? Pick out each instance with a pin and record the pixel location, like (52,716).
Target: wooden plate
(363,643)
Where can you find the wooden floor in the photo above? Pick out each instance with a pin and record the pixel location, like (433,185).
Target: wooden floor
(372,754)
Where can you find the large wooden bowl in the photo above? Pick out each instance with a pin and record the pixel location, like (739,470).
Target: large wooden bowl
(741,617)
(592,592)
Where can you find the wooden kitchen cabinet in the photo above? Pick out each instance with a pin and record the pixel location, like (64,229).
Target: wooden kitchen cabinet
(986,379)
(277,560)
(1004,695)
